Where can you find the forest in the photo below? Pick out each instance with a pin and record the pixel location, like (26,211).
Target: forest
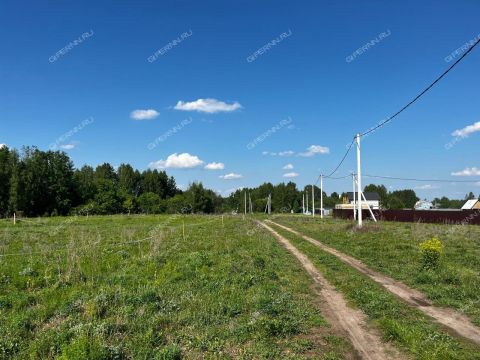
(46,183)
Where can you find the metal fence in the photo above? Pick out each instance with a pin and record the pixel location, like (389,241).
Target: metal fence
(454,217)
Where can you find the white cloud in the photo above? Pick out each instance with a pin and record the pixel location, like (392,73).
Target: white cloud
(281,153)
(467,130)
(207,106)
(426,187)
(315,149)
(177,161)
(68,146)
(467,172)
(291,175)
(215,166)
(231,176)
(144,114)
(288,167)
(3,145)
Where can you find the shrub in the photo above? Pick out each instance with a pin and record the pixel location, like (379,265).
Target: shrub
(431,250)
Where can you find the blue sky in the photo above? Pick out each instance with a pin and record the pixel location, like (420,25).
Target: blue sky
(310,84)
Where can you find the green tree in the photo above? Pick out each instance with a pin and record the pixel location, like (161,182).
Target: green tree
(149,203)
(407,197)
(5,178)
(85,184)
(381,190)
(128,181)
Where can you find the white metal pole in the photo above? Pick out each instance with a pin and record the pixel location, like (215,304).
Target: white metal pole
(307,201)
(303,204)
(354,197)
(369,208)
(14,218)
(313,200)
(359,181)
(321,196)
(245,202)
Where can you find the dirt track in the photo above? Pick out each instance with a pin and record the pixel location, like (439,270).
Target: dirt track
(451,319)
(364,338)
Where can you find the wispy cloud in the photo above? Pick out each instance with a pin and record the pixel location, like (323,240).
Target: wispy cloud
(291,175)
(288,167)
(467,130)
(70,146)
(467,172)
(427,187)
(3,146)
(210,106)
(231,176)
(141,114)
(280,153)
(177,161)
(315,149)
(215,166)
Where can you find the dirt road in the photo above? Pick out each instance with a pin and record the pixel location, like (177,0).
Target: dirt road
(364,338)
(454,321)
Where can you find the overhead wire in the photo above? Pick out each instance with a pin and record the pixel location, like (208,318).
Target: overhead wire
(411,102)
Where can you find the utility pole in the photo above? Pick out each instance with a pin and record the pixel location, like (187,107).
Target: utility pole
(354,197)
(321,196)
(307,200)
(313,200)
(359,182)
(303,203)
(245,202)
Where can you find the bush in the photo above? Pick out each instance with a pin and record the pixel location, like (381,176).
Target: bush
(431,250)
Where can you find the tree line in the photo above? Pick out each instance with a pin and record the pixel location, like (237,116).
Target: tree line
(46,183)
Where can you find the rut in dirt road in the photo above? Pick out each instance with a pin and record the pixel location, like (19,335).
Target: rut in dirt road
(365,340)
(451,319)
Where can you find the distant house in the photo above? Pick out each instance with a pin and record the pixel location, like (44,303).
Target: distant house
(373,200)
(471,205)
(423,205)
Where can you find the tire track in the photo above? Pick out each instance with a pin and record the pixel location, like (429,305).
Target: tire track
(456,322)
(366,340)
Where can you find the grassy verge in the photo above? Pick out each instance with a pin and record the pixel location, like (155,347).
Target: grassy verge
(392,248)
(90,290)
(408,328)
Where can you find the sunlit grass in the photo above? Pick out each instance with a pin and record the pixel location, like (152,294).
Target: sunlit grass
(144,287)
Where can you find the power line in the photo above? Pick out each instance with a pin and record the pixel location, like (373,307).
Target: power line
(339,164)
(421,180)
(422,93)
(381,124)
(339,177)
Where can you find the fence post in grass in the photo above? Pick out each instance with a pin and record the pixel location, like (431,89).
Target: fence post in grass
(359,182)
(14,219)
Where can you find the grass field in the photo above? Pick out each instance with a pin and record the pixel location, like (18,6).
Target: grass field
(172,287)
(408,328)
(136,287)
(392,248)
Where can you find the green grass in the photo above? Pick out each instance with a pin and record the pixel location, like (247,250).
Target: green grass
(86,289)
(408,328)
(393,249)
